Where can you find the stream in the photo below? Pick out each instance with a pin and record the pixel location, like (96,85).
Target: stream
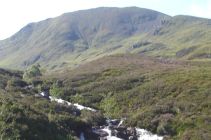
(113,128)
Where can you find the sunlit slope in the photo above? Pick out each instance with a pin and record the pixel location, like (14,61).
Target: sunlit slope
(78,37)
(166,97)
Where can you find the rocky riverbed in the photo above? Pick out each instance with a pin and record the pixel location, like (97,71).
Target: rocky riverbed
(113,129)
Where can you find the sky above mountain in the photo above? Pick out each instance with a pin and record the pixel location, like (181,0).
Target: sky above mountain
(15,14)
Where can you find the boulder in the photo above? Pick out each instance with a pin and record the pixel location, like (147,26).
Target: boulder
(131,131)
(100,133)
(122,132)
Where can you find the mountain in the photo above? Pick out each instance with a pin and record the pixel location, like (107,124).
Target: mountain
(78,37)
(141,66)
(168,98)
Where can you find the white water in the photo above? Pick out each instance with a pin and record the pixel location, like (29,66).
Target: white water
(146,135)
(109,137)
(80,107)
(121,122)
(142,133)
(61,101)
(42,94)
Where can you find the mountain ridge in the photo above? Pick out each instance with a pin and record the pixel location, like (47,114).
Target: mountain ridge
(82,36)
(151,69)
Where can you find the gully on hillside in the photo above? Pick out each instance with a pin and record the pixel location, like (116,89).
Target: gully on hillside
(113,129)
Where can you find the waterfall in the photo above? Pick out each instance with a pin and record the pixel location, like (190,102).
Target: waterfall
(142,134)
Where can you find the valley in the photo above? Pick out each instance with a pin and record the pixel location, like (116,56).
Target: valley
(161,96)
(111,129)
(107,73)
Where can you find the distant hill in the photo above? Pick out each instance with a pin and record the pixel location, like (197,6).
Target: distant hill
(78,37)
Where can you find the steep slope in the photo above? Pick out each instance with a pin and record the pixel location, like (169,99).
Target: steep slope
(166,97)
(26,115)
(78,37)
(74,34)
(186,37)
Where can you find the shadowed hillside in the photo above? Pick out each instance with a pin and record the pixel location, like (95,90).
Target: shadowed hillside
(26,115)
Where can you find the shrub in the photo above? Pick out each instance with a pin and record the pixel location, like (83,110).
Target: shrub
(32,72)
(57,91)
(93,119)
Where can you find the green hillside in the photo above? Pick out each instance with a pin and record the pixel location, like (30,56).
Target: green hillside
(134,63)
(26,116)
(166,97)
(82,36)
(170,98)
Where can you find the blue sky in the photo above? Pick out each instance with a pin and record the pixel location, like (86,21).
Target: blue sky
(14,14)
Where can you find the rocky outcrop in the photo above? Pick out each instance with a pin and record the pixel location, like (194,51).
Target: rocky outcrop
(112,129)
(115,129)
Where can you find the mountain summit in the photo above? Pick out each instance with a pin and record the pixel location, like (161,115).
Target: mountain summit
(81,36)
